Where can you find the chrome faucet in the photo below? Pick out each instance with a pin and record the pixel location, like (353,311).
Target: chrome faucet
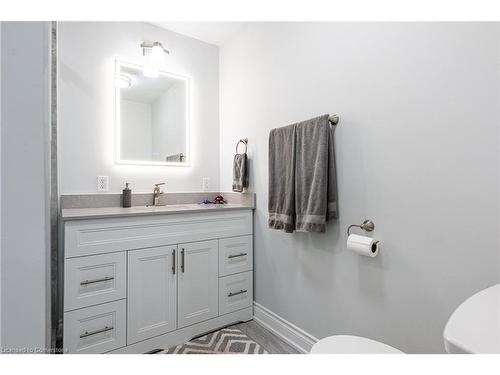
(156,194)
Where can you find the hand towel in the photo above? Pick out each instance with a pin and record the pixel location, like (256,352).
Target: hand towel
(240,172)
(281,203)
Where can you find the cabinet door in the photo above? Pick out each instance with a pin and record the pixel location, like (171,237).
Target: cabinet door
(152,292)
(198,282)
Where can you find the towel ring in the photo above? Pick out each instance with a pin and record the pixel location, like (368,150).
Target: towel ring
(245,142)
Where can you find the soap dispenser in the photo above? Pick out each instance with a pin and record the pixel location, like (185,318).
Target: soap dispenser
(127,196)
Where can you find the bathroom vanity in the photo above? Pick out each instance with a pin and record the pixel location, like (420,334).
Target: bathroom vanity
(146,278)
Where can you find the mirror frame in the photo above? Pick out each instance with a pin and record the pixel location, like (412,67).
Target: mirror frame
(117,115)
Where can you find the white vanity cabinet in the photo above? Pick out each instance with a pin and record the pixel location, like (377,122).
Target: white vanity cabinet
(139,283)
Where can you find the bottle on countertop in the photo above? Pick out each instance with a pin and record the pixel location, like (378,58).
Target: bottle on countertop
(127,196)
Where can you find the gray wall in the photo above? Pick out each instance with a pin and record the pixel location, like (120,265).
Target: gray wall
(417,152)
(24,184)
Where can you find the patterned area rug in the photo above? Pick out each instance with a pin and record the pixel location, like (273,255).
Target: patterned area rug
(224,341)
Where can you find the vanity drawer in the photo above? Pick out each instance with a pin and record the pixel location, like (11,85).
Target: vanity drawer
(235,255)
(235,292)
(94,279)
(96,329)
(108,235)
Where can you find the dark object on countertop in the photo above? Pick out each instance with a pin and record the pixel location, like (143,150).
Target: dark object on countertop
(127,196)
(219,199)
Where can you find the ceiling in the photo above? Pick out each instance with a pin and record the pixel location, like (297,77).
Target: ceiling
(216,33)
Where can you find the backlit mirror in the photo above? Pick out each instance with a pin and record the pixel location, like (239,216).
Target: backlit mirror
(151,117)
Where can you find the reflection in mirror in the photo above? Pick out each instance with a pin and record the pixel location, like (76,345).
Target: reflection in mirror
(151,117)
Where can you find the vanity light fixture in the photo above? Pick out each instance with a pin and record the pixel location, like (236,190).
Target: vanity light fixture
(154,61)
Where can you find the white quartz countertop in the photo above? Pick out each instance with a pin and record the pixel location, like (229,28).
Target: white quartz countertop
(105,212)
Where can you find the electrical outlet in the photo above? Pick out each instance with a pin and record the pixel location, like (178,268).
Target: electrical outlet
(102,183)
(205,184)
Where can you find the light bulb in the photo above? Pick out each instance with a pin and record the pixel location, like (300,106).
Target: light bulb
(157,56)
(154,62)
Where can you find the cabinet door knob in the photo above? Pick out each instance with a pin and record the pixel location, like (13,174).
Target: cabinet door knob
(173,261)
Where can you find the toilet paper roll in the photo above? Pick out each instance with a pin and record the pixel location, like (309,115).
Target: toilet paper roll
(362,245)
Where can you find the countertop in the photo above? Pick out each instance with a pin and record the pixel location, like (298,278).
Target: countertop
(109,212)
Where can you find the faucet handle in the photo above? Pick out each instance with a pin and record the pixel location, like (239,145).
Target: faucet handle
(157,187)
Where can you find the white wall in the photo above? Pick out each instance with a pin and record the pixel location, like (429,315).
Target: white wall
(417,152)
(86,54)
(25,119)
(136,130)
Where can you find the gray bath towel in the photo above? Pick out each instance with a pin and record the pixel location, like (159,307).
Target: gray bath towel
(315,185)
(332,209)
(240,172)
(281,204)
(302,180)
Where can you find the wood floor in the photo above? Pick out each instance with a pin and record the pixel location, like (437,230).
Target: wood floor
(265,338)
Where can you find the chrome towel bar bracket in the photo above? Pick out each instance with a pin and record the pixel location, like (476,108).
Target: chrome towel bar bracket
(367,226)
(334,119)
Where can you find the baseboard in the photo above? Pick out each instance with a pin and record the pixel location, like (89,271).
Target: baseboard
(288,332)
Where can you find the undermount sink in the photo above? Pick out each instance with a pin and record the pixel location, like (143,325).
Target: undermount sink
(172,206)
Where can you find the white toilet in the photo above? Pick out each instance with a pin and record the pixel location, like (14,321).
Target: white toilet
(344,344)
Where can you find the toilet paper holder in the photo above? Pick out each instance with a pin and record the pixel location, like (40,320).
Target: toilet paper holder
(367,226)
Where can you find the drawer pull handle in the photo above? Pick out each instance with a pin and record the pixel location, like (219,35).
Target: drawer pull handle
(236,255)
(102,330)
(104,279)
(236,293)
